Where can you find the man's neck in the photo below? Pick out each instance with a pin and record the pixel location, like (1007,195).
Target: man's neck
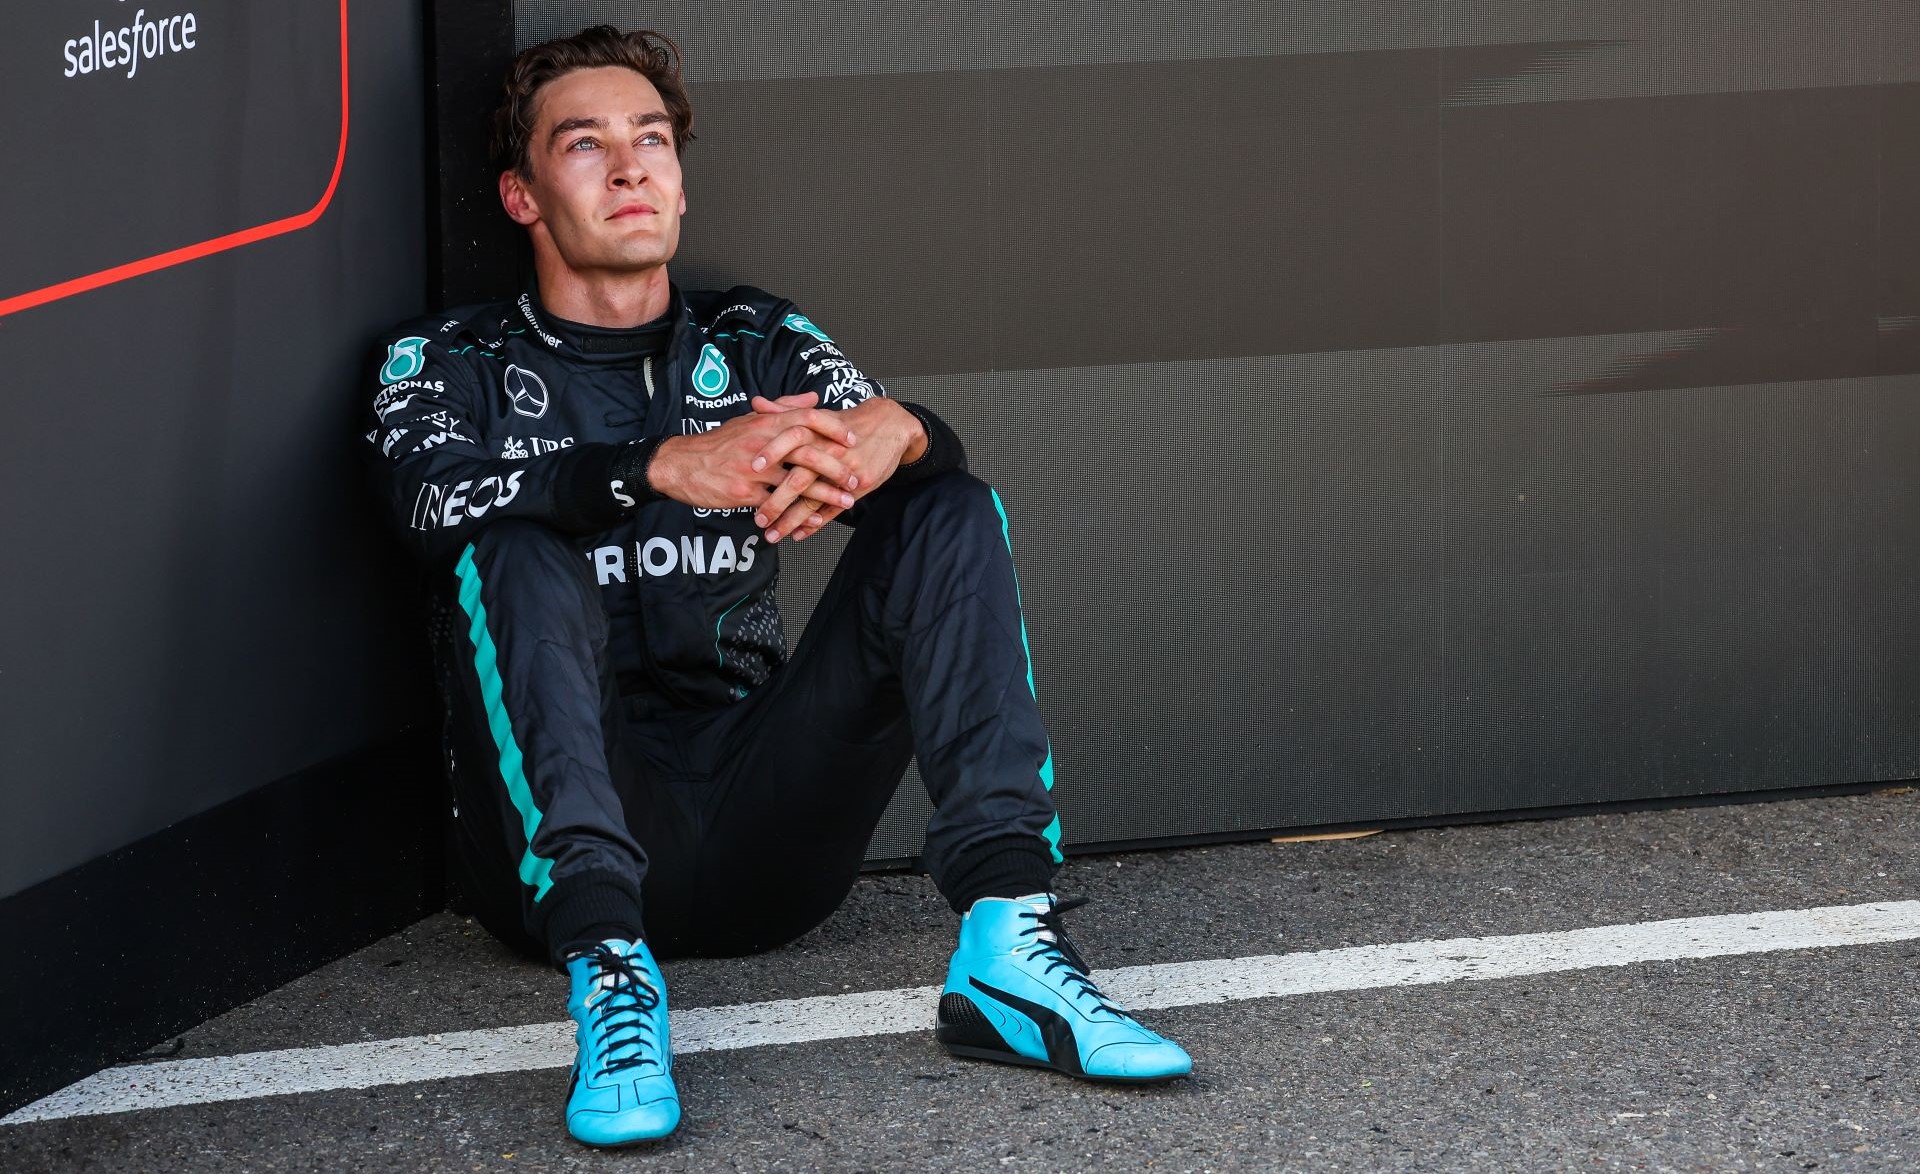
(617,301)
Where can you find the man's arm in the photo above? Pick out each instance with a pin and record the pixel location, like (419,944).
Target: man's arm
(439,482)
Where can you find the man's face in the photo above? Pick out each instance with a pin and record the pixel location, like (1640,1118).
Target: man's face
(605,184)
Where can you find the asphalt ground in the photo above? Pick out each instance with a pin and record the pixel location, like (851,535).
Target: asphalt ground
(1789,1060)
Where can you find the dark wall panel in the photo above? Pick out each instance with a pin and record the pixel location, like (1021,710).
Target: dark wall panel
(196,602)
(212,759)
(1631,214)
(1184,209)
(171,119)
(899,164)
(1405,409)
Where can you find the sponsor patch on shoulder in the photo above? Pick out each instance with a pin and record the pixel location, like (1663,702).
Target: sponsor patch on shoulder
(804,325)
(405,359)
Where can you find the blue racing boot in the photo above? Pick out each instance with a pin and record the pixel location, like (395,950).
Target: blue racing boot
(622,1090)
(1017,991)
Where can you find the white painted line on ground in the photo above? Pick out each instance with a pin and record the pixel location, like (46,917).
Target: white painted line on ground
(890,1012)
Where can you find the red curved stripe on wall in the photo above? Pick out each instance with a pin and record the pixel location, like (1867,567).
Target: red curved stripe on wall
(219,244)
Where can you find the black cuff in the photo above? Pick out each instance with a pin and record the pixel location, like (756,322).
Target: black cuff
(630,468)
(582,910)
(944,450)
(1016,866)
(603,484)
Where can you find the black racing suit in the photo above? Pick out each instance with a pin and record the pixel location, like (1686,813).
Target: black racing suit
(622,715)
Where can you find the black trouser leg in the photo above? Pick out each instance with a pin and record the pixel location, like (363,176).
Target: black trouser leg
(916,646)
(953,618)
(529,702)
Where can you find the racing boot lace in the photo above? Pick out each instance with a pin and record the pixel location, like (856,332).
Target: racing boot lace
(1050,943)
(619,1012)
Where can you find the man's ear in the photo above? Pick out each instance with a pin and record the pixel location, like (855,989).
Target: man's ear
(517,199)
(683,202)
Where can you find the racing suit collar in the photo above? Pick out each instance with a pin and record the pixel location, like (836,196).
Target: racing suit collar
(580,342)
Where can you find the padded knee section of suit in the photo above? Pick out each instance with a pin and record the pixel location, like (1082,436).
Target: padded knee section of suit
(522,536)
(955,491)
(537,583)
(512,547)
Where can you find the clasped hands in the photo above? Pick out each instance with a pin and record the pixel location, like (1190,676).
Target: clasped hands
(797,465)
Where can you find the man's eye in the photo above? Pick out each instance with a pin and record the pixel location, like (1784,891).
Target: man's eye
(653,138)
(581,144)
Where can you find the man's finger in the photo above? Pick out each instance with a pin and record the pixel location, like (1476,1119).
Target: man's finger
(782,496)
(785,403)
(830,424)
(827,493)
(802,489)
(800,525)
(823,460)
(820,518)
(777,450)
(795,521)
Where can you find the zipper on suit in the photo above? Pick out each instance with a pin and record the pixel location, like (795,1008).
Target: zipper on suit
(652,666)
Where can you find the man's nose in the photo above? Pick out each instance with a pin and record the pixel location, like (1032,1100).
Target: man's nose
(628,167)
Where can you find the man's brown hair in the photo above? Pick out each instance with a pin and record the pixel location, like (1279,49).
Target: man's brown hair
(652,55)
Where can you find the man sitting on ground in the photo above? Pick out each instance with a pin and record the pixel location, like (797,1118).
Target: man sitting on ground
(597,474)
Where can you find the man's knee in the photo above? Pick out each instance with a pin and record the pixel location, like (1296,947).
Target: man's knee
(954,502)
(955,489)
(521,568)
(520,539)
(515,549)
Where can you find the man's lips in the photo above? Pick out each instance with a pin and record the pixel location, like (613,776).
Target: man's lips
(634,210)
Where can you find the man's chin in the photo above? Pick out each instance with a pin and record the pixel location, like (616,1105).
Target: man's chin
(630,262)
(614,252)
(638,257)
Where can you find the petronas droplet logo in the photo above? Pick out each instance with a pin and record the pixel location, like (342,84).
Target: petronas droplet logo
(804,325)
(405,359)
(711,377)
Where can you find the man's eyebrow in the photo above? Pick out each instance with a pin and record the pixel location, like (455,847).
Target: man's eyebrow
(572,124)
(636,120)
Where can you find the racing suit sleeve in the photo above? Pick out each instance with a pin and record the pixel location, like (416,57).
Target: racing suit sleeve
(801,358)
(439,484)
